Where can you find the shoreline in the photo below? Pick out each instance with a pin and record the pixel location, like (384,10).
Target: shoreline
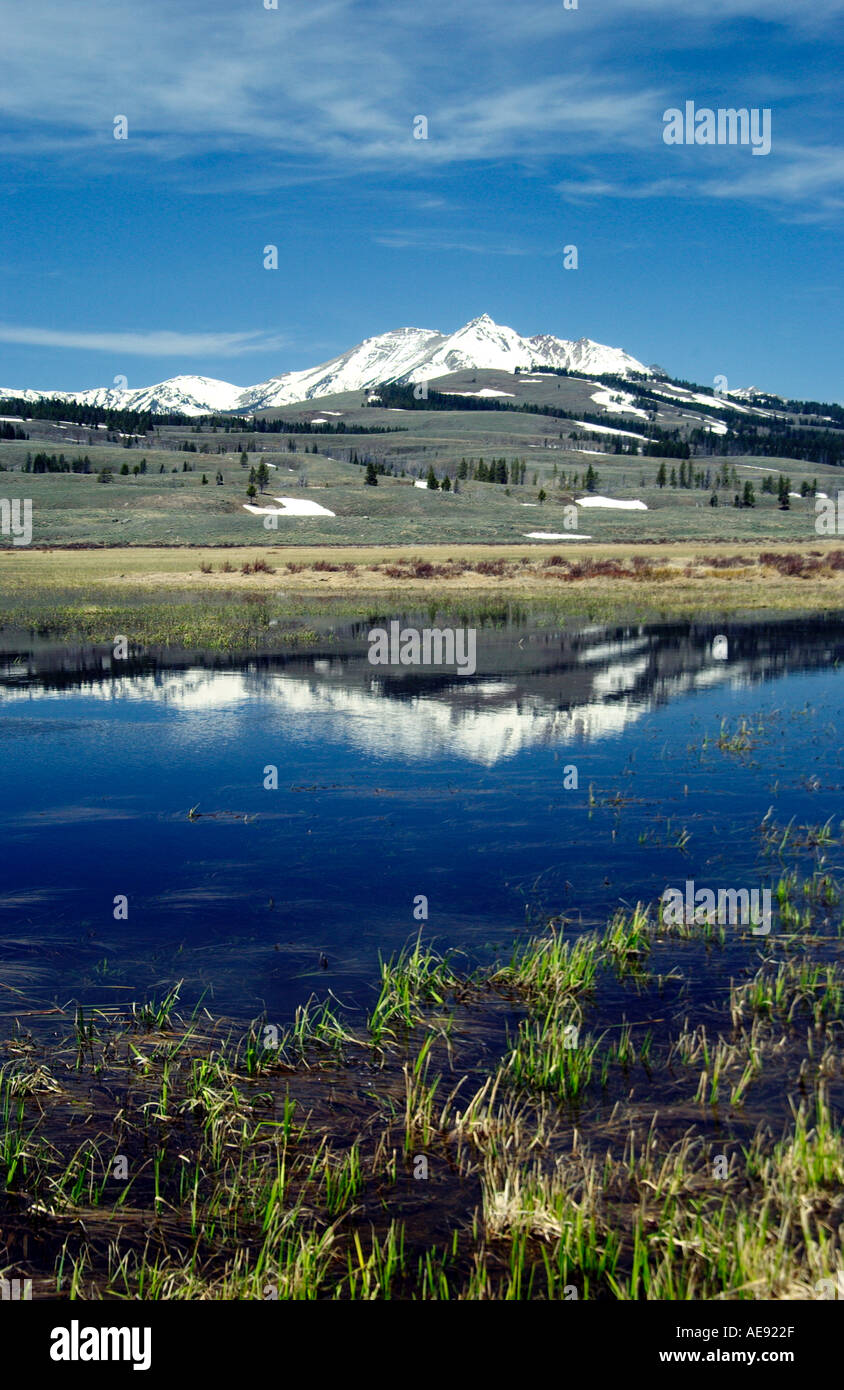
(223,596)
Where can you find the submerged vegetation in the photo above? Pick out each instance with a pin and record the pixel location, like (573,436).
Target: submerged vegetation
(496,1134)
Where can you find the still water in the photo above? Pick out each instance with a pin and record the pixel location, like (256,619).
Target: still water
(577,769)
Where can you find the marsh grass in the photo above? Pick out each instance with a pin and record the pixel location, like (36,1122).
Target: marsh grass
(732,740)
(414,979)
(225,598)
(788,988)
(627,940)
(548,1055)
(550,970)
(486,1136)
(778,838)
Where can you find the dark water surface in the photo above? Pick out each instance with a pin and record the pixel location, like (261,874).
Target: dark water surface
(390,786)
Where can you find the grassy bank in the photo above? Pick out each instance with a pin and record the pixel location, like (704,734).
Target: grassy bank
(539,1130)
(236,597)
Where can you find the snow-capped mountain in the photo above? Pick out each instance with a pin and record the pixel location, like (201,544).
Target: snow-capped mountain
(190,395)
(751,394)
(405,355)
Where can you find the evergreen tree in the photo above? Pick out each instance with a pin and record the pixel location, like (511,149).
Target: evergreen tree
(371,479)
(662,475)
(445,485)
(432,479)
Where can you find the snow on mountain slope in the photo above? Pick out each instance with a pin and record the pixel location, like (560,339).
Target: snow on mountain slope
(194,395)
(752,393)
(479,345)
(388,357)
(406,355)
(189,395)
(583,356)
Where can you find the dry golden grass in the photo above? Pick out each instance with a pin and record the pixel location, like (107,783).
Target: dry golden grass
(640,581)
(676,578)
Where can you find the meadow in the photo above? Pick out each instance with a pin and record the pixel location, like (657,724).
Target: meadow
(168,506)
(246,599)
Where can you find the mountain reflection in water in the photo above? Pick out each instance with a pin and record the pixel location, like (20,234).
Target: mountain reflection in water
(392,783)
(532,688)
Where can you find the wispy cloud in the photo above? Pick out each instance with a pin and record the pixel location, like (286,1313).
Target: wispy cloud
(154,343)
(795,175)
(412,240)
(330,89)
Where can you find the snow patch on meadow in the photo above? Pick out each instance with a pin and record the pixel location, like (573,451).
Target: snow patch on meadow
(556,536)
(611,502)
(487,391)
(291,506)
(607,429)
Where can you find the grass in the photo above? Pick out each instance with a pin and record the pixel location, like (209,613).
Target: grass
(166,506)
(627,940)
(205,598)
(789,988)
(485,1136)
(550,1056)
(414,979)
(738,740)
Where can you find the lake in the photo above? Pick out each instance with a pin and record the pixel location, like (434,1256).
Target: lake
(576,769)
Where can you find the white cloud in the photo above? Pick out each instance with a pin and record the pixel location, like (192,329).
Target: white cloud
(412,240)
(331,87)
(154,343)
(791,175)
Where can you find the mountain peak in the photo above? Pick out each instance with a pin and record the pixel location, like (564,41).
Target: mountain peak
(405,355)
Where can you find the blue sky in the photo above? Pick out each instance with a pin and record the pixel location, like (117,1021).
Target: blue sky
(293,126)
